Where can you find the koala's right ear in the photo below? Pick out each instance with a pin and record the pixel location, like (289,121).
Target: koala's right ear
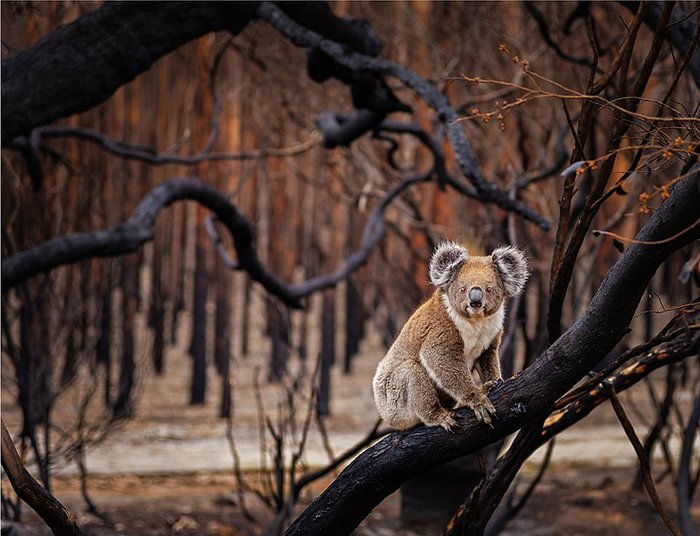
(447,257)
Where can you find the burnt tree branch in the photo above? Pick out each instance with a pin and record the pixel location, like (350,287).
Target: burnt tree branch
(148,155)
(60,521)
(380,470)
(643,460)
(685,344)
(127,237)
(48,80)
(81,65)
(357,62)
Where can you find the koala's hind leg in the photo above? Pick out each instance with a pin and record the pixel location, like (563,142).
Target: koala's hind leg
(424,402)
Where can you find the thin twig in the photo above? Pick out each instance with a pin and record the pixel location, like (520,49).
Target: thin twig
(643,460)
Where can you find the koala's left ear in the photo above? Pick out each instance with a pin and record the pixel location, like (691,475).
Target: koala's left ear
(511,265)
(446,259)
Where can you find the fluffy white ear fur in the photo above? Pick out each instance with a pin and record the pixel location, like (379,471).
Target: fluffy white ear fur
(511,264)
(447,257)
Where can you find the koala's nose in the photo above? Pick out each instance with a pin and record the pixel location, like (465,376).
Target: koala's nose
(476,297)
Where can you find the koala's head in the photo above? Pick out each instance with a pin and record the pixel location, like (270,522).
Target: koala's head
(478,285)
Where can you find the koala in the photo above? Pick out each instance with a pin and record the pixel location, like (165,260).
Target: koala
(428,369)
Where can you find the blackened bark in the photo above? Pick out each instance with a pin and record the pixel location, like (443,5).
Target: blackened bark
(348,65)
(130,235)
(69,360)
(81,65)
(520,400)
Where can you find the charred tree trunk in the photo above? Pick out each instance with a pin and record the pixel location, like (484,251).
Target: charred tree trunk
(327,351)
(129,282)
(222,338)
(178,268)
(245,322)
(69,360)
(104,343)
(156,317)
(34,393)
(278,330)
(354,323)
(198,346)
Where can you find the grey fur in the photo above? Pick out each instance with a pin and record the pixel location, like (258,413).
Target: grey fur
(447,257)
(512,267)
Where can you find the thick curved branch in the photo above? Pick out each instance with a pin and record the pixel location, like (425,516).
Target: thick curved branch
(81,65)
(339,129)
(127,237)
(356,62)
(54,514)
(520,400)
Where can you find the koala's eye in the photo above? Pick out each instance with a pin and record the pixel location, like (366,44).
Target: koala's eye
(462,290)
(489,289)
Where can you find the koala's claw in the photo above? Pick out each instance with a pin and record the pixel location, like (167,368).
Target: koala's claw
(483,409)
(448,423)
(492,383)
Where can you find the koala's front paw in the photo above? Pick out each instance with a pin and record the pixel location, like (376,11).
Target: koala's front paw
(448,422)
(482,406)
(492,383)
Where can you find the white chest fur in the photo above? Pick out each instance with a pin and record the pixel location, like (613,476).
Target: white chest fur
(478,331)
